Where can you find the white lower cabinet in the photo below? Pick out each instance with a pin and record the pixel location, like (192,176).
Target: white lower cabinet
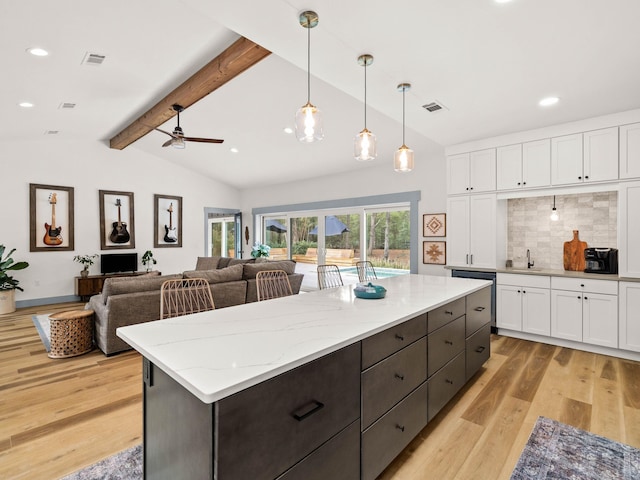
(523,303)
(629,316)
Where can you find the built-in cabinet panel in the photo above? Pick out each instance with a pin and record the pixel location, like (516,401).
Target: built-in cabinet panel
(629,301)
(629,231)
(566,315)
(601,155)
(630,151)
(509,167)
(509,307)
(458,230)
(472,172)
(566,159)
(536,311)
(526,165)
(458,174)
(523,303)
(600,319)
(472,234)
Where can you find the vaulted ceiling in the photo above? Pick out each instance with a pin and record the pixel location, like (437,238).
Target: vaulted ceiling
(488,63)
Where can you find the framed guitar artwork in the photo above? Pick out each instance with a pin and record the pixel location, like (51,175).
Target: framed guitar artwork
(116,220)
(167,214)
(50,218)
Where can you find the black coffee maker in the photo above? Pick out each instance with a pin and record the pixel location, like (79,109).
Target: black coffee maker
(601,260)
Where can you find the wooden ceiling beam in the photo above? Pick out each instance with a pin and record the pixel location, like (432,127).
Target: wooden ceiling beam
(240,56)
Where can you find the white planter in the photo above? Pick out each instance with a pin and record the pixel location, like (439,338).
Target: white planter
(7,301)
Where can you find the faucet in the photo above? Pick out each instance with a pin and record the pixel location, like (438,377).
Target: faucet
(529,262)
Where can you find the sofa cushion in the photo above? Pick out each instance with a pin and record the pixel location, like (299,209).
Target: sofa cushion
(250,270)
(221,275)
(241,261)
(122,285)
(207,263)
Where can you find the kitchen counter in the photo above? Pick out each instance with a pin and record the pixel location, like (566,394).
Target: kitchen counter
(548,272)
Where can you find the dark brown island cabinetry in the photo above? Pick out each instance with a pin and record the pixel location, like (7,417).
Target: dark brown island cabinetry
(343,416)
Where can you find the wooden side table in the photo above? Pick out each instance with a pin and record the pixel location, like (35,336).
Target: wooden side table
(71,333)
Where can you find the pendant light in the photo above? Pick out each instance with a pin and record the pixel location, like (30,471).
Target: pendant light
(403,158)
(308,117)
(554,213)
(365,141)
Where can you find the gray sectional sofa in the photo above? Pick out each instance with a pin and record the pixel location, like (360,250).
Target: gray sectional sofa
(131,300)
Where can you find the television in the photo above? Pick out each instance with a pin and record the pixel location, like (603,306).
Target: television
(118,262)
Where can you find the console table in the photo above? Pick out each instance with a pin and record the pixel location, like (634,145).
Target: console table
(92,284)
(315,386)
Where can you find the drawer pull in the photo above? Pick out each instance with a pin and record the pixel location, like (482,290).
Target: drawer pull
(448,312)
(399,377)
(479,309)
(480,349)
(308,410)
(450,382)
(400,427)
(399,337)
(448,342)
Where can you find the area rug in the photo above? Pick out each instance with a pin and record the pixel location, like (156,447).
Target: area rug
(42,326)
(125,465)
(558,451)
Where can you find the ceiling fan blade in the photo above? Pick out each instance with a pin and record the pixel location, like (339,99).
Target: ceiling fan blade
(165,132)
(202,140)
(168,142)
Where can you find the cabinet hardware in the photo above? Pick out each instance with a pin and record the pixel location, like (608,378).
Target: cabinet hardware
(467,188)
(518,291)
(448,312)
(586,298)
(479,309)
(399,337)
(471,259)
(448,342)
(579,178)
(582,284)
(399,377)
(586,177)
(400,427)
(518,183)
(467,259)
(307,410)
(480,349)
(524,291)
(579,297)
(470,188)
(450,382)
(524,183)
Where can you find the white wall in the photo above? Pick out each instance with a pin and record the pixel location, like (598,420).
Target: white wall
(89,166)
(428,177)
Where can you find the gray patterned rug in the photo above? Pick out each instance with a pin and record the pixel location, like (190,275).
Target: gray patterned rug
(125,465)
(556,451)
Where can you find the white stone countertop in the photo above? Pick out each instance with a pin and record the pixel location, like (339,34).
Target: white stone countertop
(218,353)
(548,272)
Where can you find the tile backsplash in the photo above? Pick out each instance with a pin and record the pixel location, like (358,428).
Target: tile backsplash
(594,215)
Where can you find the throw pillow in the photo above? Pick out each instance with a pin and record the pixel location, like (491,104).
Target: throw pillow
(251,270)
(241,261)
(207,263)
(221,275)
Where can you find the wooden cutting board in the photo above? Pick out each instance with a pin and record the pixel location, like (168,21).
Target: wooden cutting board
(574,253)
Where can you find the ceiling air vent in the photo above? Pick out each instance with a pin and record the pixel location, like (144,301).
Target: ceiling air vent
(434,106)
(93,59)
(51,132)
(66,105)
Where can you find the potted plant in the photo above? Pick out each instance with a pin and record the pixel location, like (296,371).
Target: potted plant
(148,260)
(86,261)
(8,284)
(260,250)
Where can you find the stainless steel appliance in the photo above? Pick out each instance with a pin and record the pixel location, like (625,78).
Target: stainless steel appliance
(601,260)
(482,276)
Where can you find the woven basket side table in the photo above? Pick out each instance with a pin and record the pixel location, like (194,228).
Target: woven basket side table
(71,333)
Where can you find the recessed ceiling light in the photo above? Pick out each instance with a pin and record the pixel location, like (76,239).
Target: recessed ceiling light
(546,102)
(26,104)
(288,130)
(502,1)
(234,150)
(38,52)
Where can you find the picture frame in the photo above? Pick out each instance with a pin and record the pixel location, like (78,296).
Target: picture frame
(117,222)
(51,218)
(434,225)
(167,215)
(434,253)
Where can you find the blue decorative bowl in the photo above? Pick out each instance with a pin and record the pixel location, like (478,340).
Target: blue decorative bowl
(369,291)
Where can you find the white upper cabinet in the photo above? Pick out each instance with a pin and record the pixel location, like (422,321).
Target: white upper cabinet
(472,172)
(524,165)
(630,151)
(601,155)
(566,159)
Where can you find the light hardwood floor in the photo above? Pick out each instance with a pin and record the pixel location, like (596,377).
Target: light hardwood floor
(57,416)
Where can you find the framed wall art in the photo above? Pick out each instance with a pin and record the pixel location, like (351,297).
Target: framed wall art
(434,253)
(434,225)
(50,218)
(167,214)
(117,226)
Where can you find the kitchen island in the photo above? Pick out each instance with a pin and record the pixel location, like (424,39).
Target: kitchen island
(307,386)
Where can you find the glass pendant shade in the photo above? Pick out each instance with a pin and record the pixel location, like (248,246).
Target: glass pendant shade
(403,159)
(365,146)
(554,213)
(309,124)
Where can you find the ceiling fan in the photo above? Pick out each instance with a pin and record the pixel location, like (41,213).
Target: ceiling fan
(177,137)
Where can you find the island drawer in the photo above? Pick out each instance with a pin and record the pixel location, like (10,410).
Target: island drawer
(444,314)
(478,350)
(386,438)
(445,384)
(478,309)
(444,344)
(387,382)
(338,459)
(264,430)
(385,343)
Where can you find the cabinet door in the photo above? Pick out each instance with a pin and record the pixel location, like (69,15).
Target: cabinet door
(566,315)
(482,171)
(629,234)
(458,230)
(536,311)
(601,155)
(629,320)
(536,163)
(509,307)
(458,174)
(566,159)
(600,319)
(482,231)
(630,151)
(509,167)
